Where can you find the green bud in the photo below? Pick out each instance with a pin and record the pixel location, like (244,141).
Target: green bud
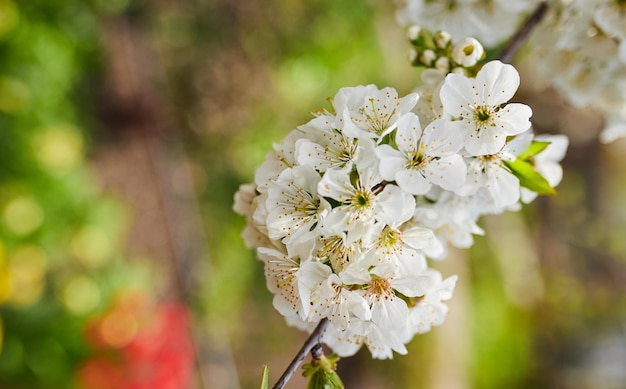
(322,374)
(421,38)
(321,379)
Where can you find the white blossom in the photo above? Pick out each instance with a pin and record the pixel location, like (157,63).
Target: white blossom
(467,52)
(282,280)
(422,158)
(361,202)
(479,110)
(431,310)
(327,147)
(490,21)
(295,211)
(488,173)
(453,219)
(374,112)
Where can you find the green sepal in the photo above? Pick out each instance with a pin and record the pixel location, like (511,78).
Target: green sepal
(322,374)
(265,384)
(535,148)
(529,177)
(424,40)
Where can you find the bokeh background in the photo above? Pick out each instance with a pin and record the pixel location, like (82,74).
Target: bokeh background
(127,126)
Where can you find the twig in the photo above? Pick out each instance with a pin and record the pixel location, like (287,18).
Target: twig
(311,343)
(517,41)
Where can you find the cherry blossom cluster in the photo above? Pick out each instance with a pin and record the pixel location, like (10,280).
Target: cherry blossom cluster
(345,211)
(491,22)
(581,48)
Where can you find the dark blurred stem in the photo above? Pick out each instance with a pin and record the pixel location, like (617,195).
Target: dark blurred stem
(312,343)
(517,41)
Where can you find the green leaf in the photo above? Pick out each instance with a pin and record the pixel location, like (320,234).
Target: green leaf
(535,148)
(265,378)
(529,177)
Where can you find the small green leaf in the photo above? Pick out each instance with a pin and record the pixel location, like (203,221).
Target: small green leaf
(529,177)
(265,378)
(535,148)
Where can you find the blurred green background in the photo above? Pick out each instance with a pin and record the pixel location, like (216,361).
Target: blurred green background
(127,126)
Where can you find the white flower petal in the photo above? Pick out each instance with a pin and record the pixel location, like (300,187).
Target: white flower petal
(396,206)
(391,161)
(448,172)
(503,187)
(412,286)
(409,133)
(456,94)
(335,184)
(514,119)
(413,181)
(500,82)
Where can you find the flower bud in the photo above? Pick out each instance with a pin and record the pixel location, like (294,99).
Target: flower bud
(442,39)
(467,52)
(428,57)
(413,33)
(458,70)
(443,64)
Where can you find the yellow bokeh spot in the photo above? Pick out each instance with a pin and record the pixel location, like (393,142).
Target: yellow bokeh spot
(119,328)
(23,215)
(9,17)
(91,246)
(27,268)
(59,149)
(5,277)
(5,284)
(81,295)
(14,94)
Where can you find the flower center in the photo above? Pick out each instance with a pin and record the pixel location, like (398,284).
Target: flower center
(380,287)
(482,114)
(334,250)
(378,114)
(416,158)
(468,50)
(361,200)
(389,237)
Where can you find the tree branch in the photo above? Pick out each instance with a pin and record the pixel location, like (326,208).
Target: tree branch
(517,41)
(311,343)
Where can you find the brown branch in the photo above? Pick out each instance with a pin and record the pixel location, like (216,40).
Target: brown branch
(517,41)
(313,342)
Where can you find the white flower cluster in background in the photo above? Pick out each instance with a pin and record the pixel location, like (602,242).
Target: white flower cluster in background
(491,22)
(345,211)
(580,47)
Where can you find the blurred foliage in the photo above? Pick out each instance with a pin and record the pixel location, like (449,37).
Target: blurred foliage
(60,237)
